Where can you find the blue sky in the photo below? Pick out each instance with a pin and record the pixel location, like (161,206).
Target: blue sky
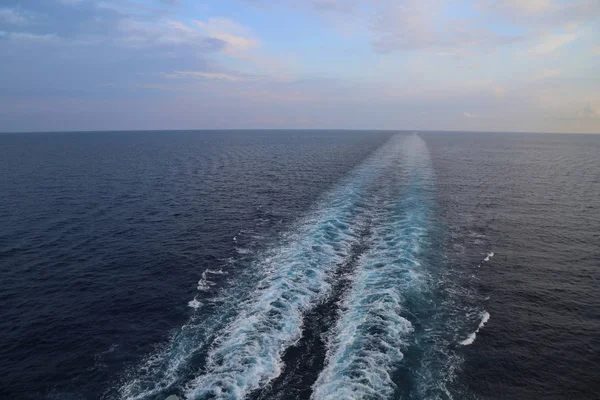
(493,65)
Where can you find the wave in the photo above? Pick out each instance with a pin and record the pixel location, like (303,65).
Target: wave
(195,304)
(487,258)
(248,354)
(262,314)
(485,316)
(204,284)
(373,330)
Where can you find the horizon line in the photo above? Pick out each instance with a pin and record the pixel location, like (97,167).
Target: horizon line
(293,129)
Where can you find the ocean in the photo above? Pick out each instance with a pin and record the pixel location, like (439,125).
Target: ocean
(299,265)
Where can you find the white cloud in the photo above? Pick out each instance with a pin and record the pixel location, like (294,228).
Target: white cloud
(138,33)
(69,2)
(334,5)
(459,71)
(237,37)
(547,74)
(551,43)
(180,26)
(527,6)
(241,44)
(219,76)
(13,17)
(542,15)
(175,3)
(417,25)
(589,112)
(31,37)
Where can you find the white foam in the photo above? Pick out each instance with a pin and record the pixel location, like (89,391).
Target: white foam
(489,256)
(248,354)
(485,316)
(249,351)
(195,304)
(204,284)
(372,332)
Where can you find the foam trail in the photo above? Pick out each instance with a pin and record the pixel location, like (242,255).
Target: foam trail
(204,284)
(195,304)
(485,317)
(249,354)
(367,343)
(262,313)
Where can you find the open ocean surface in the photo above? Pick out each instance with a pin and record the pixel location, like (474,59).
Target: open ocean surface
(299,265)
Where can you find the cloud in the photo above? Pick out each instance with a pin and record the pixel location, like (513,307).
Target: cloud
(404,26)
(542,15)
(589,112)
(95,48)
(138,33)
(400,57)
(407,25)
(525,6)
(238,39)
(334,5)
(241,44)
(499,91)
(413,25)
(551,43)
(218,76)
(547,74)
(343,6)
(180,26)
(13,17)
(30,37)
(175,3)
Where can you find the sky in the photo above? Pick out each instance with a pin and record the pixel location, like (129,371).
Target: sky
(477,65)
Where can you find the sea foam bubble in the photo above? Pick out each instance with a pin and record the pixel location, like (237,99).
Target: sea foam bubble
(485,316)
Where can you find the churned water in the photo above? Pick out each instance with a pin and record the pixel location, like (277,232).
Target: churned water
(299,265)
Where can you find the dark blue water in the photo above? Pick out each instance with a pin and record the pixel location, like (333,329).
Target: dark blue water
(299,264)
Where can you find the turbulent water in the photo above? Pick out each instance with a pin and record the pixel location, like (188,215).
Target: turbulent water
(299,265)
